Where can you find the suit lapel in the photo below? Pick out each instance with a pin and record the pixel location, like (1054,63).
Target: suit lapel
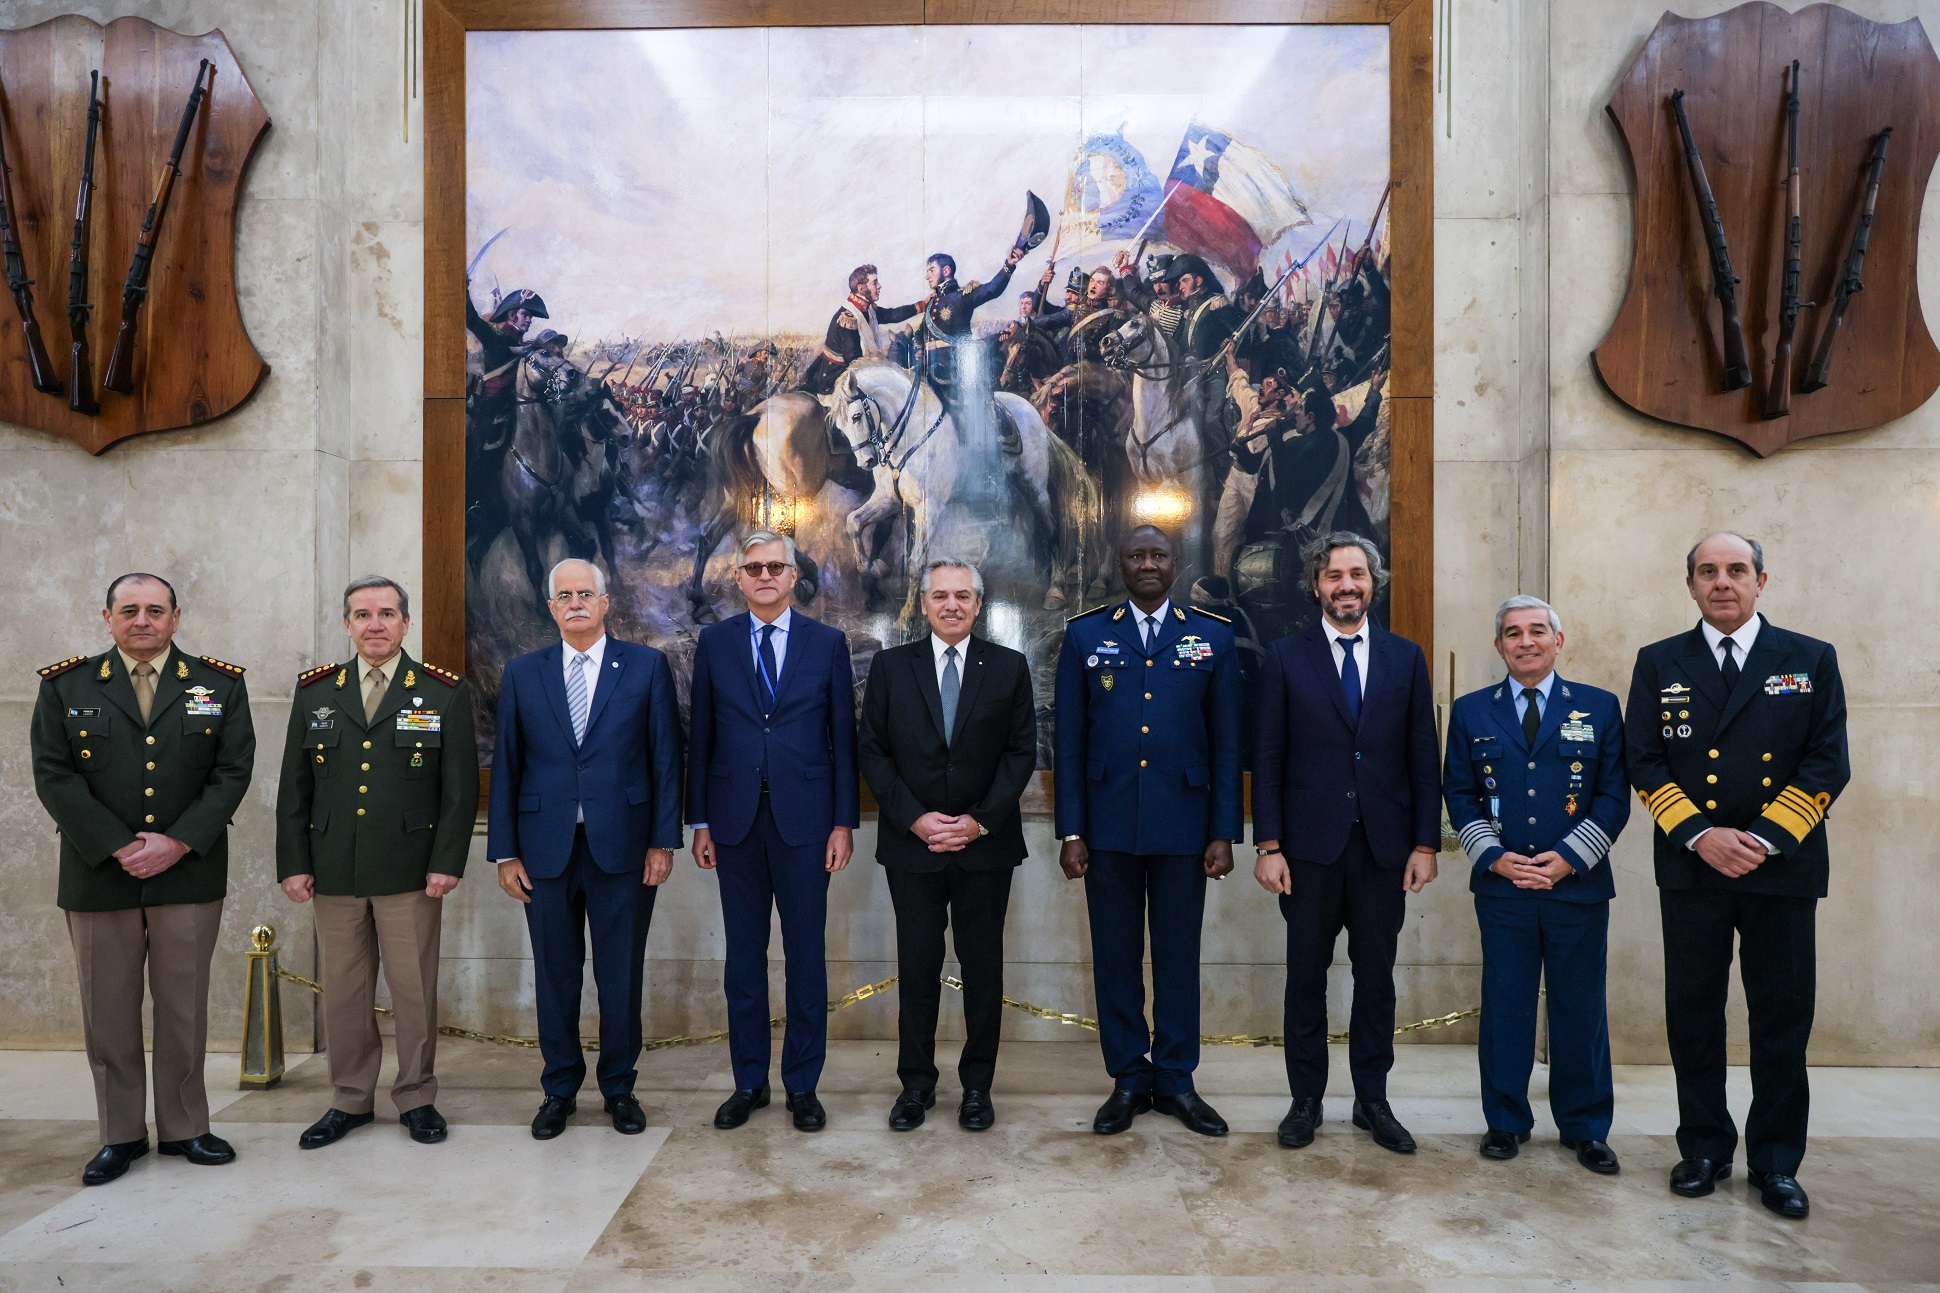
(552,677)
(1555,709)
(743,651)
(792,658)
(1703,668)
(1758,663)
(120,689)
(1502,709)
(923,664)
(1320,654)
(973,653)
(611,670)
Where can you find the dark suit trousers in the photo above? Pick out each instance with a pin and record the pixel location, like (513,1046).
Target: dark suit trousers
(1369,903)
(618,908)
(1526,943)
(1119,888)
(1777,954)
(925,902)
(765,873)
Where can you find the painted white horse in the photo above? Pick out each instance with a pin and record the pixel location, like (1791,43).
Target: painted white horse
(1164,444)
(904,436)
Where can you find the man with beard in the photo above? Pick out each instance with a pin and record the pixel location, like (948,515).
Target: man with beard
(1147,794)
(1347,818)
(855,330)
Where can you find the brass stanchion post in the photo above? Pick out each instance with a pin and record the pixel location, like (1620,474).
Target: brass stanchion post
(262,1043)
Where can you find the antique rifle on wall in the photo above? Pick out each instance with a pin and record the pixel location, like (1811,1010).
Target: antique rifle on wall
(1724,281)
(121,364)
(22,287)
(1778,391)
(80,382)
(1850,282)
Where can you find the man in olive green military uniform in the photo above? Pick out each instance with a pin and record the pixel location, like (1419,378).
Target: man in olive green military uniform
(141,756)
(374,816)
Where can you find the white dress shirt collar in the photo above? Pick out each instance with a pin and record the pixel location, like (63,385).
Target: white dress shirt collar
(1741,640)
(1138,618)
(781,621)
(596,655)
(938,646)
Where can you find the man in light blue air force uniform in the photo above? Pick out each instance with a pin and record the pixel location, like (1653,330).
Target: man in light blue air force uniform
(1535,785)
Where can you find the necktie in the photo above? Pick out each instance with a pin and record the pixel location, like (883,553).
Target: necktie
(1730,665)
(1151,630)
(1532,714)
(1350,677)
(576,695)
(145,688)
(952,688)
(770,674)
(373,695)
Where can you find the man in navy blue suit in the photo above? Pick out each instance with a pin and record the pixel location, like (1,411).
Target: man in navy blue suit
(1148,806)
(585,816)
(771,794)
(1347,817)
(1535,786)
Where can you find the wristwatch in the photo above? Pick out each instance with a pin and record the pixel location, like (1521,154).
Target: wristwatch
(982,830)
(1066,839)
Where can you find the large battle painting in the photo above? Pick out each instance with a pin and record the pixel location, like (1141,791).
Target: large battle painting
(996,293)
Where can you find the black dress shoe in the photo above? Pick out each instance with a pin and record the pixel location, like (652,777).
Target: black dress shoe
(1297,1128)
(629,1119)
(206,1150)
(550,1121)
(112,1161)
(808,1111)
(907,1113)
(1595,1155)
(1781,1193)
(1696,1177)
(1189,1109)
(331,1128)
(1377,1119)
(975,1112)
(1116,1114)
(427,1124)
(735,1109)
(1502,1144)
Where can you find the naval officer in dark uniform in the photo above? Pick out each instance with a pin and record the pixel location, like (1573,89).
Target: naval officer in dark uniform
(374,816)
(142,754)
(1736,739)
(1148,806)
(1534,783)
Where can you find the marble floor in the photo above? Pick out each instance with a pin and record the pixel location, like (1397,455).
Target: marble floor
(1036,1204)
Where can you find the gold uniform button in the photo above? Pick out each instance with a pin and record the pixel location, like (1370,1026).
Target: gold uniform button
(1768,758)
(1714,754)
(1682,713)
(319,758)
(151,767)
(363,790)
(150,792)
(367,767)
(1710,803)
(84,734)
(1141,763)
(1713,778)
(151,741)
(208,731)
(149,818)
(319,746)
(1149,664)
(1667,713)
(420,745)
(1144,729)
(89,754)
(1148,696)
(367,745)
(360,812)
(1768,781)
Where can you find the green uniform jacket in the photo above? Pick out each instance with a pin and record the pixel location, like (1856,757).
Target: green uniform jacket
(103,774)
(371,808)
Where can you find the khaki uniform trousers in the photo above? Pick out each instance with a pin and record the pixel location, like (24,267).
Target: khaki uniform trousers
(175,942)
(401,931)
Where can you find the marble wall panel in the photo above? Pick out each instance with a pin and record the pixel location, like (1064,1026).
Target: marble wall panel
(1479,168)
(1478,299)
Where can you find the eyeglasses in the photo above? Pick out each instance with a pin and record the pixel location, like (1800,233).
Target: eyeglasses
(773,569)
(567,599)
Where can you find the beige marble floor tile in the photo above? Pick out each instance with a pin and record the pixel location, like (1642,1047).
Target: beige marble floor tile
(40,1166)
(1007,1202)
(267,1275)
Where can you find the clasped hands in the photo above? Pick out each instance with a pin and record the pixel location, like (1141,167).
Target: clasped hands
(1539,872)
(1730,851)
(149,854)
(944,833)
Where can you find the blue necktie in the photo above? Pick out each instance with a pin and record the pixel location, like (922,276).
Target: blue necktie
(952,688)
(1350,677)
(770,674)
(576,695)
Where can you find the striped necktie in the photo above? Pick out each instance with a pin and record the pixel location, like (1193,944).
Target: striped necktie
(576,695)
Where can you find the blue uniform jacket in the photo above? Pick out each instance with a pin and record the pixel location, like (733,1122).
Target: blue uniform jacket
(806,744)
(625,775)
(1148,757)
(1567,794)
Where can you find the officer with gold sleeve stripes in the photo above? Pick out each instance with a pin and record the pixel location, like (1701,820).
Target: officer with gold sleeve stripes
(1736,742)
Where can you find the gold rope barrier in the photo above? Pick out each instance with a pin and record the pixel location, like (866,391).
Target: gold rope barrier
(868,990)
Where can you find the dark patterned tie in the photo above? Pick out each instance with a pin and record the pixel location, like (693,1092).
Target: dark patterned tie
(1350,677)
(952,688)
(770,674)
(1532,715)
(1730,665)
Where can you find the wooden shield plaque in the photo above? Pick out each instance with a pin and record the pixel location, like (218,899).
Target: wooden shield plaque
(193,360)
(1663,356)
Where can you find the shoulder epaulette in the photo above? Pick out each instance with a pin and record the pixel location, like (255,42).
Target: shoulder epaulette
(446,676)
(56,670)
(1093,611)
(1209,615)
(972,285)
(309,676)
(233,670)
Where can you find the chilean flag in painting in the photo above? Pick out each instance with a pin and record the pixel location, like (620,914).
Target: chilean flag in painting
(1225,200)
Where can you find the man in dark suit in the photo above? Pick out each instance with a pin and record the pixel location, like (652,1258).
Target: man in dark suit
(1347,814)
(1148,806)
(142,754)
(1535,787)
(948,744)
(1736,736)
(771,795)
(585,817)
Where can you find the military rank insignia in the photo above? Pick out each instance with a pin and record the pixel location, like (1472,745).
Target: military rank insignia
(321,720)
(1674,694)
(107,671)
(197,703)
(419,720)
(1108,680)
(410,679)
(182,669)
(1575,729)
(1192,648)
(1789,684)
